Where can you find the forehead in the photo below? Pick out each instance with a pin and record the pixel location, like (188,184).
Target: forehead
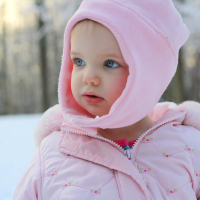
(101,40)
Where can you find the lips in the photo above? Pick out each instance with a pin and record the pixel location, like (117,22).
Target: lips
(91,97)
(91,94)
(93,100)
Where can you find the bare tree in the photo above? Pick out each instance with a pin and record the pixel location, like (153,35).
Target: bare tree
(175,90)
(3,67)
(178,91)
(43,56)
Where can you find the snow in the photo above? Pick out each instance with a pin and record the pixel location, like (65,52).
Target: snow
(16,150)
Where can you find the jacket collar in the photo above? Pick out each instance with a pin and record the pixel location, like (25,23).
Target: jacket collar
(77,143)
(53,119)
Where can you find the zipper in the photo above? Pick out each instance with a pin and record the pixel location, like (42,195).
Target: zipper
(146,132)
(137,141)
(96,136)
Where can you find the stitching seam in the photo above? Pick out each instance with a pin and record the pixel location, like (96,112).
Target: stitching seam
(41,185)
(118,185)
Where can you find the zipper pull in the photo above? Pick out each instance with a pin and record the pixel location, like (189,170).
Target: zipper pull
(129,154)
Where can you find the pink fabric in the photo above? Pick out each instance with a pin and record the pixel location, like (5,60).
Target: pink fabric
(165,165)
(55,117)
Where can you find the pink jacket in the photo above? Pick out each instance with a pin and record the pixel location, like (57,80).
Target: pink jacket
(72,164)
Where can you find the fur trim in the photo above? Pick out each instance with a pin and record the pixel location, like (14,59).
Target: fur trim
(192,117)
(160,109)
(50,121)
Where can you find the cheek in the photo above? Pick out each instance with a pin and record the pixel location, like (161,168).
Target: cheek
(74,84)
(116,85)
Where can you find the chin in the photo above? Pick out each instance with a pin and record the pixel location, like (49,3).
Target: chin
(97,112)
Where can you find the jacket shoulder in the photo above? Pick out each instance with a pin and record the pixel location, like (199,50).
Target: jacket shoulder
(29,186)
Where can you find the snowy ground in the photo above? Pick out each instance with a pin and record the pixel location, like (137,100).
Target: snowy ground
(16,150)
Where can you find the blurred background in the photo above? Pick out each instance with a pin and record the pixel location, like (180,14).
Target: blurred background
(31,45)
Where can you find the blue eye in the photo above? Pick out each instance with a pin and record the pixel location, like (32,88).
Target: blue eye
(111,63)
(78,61)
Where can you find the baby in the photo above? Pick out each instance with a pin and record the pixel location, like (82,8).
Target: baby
(105,76)
(109,138)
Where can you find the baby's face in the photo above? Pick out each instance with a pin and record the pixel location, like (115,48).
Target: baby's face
(99,67)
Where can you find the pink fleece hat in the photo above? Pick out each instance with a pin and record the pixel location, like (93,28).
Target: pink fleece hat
(150,34)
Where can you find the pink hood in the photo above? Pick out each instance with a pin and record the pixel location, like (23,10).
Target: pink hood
(150,34)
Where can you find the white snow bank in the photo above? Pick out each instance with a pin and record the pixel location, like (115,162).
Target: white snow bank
(16,150)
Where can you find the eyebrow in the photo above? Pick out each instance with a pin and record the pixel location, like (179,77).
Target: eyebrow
(72,52)
(110,55)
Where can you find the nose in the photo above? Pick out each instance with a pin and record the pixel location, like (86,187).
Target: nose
(91,77)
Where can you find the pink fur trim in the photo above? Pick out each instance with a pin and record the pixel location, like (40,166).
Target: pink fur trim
(192,113)
(159,110)
(50,121)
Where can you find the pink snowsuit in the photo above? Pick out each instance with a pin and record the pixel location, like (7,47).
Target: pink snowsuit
(71,164)
(73,161)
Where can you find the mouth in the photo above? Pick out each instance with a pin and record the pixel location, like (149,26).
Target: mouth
(91,94)
(92,99)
